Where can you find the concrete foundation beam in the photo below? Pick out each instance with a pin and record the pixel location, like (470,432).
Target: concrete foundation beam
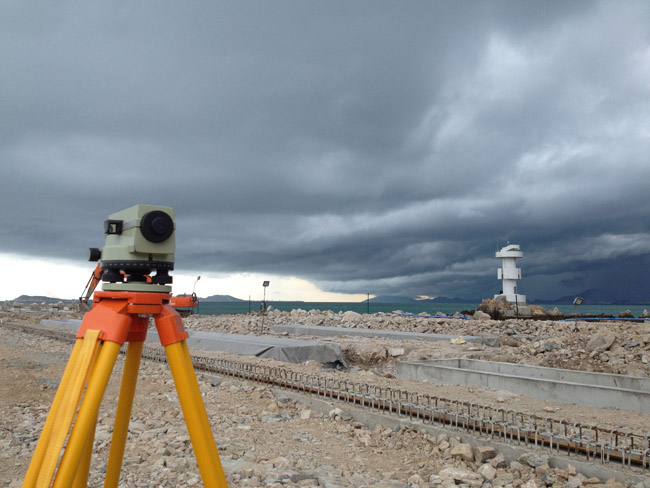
(561,385)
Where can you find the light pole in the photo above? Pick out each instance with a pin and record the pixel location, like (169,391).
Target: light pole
(265,285)
(577,301)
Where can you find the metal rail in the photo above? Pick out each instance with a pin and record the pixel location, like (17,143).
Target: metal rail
(558,435)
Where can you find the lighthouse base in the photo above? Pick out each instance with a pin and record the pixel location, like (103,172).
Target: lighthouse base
(511,297)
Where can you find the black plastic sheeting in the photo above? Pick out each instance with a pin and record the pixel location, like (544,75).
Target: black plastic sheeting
(286,350)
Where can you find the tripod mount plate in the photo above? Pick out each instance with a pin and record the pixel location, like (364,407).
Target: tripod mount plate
(136,286)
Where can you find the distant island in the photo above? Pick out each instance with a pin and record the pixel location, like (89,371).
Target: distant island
(220,298)
(40,299)
(595,296)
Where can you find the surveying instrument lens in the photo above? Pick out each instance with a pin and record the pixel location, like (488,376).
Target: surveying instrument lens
(157,226)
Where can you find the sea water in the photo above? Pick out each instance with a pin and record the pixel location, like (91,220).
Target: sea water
(219,308)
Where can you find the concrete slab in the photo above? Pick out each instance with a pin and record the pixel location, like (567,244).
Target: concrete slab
(561,385)
(323,331)
(286,350)
(63,324)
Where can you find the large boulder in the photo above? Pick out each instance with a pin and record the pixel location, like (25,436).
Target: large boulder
(350,318)
(484,453)
(501,309)
(480,315)
(600,342)
(464,452)
(487,471)
(460,476)
(367,353)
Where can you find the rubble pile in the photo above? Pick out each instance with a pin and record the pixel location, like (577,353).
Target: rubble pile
(501,309)
(265,438)
(609,347)
(39,308)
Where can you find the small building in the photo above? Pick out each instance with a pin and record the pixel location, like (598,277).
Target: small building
(509,274)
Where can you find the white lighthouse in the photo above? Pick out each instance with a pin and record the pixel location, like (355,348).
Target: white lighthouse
(509,274)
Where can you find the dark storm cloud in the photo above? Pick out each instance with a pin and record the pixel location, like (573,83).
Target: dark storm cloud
(366,146)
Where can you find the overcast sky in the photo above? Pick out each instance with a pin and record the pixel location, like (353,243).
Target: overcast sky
(346,147)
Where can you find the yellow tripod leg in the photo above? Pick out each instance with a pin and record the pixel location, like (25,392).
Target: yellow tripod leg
(44,441)
(65,412)
(81,476)
(198,400)
(195,417)
(87,414)
(123,414)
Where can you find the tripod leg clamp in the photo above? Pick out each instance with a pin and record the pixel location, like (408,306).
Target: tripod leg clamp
(170,326)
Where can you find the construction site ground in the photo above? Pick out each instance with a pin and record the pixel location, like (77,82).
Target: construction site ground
(266,438)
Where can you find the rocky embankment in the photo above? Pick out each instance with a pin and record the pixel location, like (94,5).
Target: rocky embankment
(501,310)
(611,347)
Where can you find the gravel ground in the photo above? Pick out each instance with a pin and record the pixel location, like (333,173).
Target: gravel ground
(267,439)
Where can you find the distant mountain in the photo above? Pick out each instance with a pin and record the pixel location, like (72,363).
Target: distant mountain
(401,299)
(390,299)
(451,300)
(593,296)
(39,299)
(220,298)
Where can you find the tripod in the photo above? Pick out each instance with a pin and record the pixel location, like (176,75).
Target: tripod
(117,317)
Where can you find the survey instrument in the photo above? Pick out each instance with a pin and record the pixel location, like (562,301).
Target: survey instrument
(135,262)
